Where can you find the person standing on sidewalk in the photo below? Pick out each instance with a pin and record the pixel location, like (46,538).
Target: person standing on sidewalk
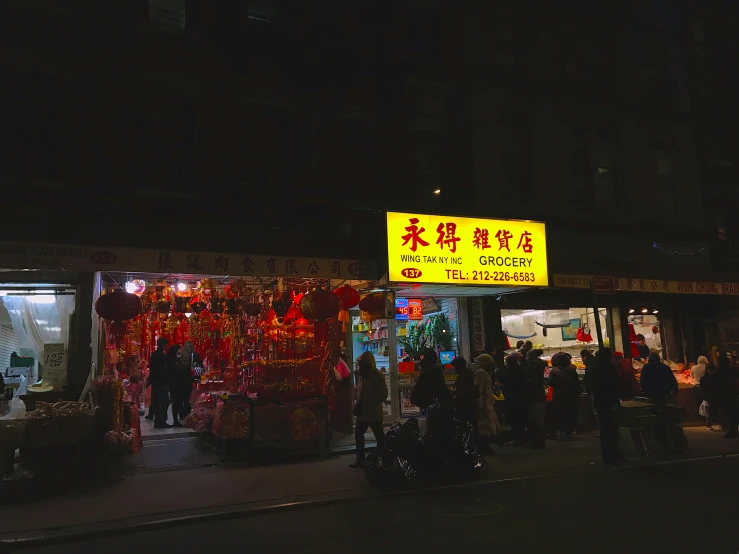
(657,380)
(566,396)
(371,394)
(603,383)
(173,381)
(515,392)
(727,378)
(158,383)
(487,419)
(535,367)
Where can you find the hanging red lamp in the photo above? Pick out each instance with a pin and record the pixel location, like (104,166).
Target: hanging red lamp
(320,305)
(118,306)
(373,304)
(349,297)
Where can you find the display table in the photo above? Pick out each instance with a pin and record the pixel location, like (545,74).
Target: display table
(651,432)
(295,424)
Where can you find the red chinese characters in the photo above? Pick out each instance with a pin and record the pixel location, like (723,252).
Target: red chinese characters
(503,237)
(525,243)
(448,236)
(481,239)
(414,235)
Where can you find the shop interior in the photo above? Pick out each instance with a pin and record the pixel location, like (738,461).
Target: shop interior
(560,330)
(33,319)
(253,342)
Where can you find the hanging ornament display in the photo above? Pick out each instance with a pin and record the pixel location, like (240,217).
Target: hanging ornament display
(281,304)
(373,304)
(349,297)
(320,305)
(293,314)
(118,305)
(197,307)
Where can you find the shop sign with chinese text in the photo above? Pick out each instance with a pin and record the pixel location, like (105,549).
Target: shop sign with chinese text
(630,284)
(460,250)
(18,255)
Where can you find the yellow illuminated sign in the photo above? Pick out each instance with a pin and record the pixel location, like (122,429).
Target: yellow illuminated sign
(465,251)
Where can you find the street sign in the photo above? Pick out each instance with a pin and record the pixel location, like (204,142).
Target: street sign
(603,285)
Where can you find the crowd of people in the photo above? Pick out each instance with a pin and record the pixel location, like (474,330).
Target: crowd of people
(171,382)
(609,379)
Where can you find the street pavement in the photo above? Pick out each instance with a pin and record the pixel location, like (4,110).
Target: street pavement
(690,507)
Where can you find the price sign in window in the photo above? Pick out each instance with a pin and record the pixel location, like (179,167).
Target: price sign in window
(401,309)
(415,309)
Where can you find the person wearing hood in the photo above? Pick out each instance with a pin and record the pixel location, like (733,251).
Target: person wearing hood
(566,393)
(430,387)
(371,394)
(628,386)
(515,392)
(535,367)
(699,369)
(657,380)
(710,394)
(487,418)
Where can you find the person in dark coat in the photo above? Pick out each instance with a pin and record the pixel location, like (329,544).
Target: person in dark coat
(657,380)
(465,391)
(710,392)
(566,393)
(515,391)
(173,383)
(603,384)
(535,367)
(727,378)
(430,387)
(628,386)
(158,380)
(370,396)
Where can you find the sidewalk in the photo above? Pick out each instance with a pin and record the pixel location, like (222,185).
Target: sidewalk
(145,498)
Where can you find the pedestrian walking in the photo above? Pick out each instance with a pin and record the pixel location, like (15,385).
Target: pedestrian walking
(535,367)
(566,393)
(487,418)
(371,394)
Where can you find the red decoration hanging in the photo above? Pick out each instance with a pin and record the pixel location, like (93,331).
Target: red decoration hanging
(349,297)
(293,314)
(372,304)
(320,305)
(118,305)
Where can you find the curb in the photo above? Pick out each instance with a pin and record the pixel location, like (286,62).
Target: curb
(144,524)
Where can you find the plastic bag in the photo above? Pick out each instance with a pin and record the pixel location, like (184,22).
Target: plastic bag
(22,388)
(17,409)
(341,371)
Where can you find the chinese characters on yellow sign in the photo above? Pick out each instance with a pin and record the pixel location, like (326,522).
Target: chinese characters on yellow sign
(461,250)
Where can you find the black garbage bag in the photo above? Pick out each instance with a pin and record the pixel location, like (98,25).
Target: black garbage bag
(397,460)
(375,467)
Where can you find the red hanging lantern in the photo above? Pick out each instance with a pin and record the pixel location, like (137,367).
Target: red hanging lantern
(293,314)
(349,297)
(320,305)
(118,305)
(372,304)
